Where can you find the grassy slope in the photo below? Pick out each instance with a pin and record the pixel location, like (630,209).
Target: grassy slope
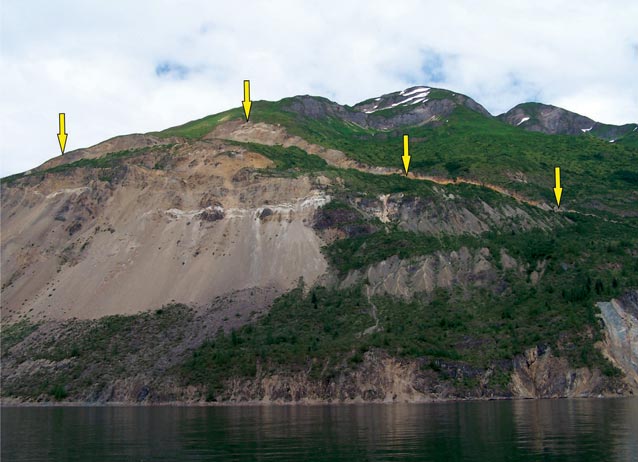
(630,140)
(595,172)
(472,146)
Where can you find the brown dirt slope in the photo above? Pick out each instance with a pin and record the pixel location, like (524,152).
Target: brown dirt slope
(184,223)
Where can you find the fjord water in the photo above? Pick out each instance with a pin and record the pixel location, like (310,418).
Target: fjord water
(547,430)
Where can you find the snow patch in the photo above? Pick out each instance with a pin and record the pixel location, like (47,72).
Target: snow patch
(524,119)
(585,130)
(421,95)
(612,141)
(416,96)
(413,92)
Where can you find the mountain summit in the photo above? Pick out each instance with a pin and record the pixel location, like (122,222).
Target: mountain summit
(553,120)
(410,107)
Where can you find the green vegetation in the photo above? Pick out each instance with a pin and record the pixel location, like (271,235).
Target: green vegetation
(198,128)
(11,178)
(15,333)
(630,140)
(108,334)
(107,161)
(439,93)
(473,146)
(58,392)
(361,251)
(290,160)
(563,269)
(585,262)
(93,352)
(595,173)
(469,145)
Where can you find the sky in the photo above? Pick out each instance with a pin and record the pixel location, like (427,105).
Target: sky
(121,67)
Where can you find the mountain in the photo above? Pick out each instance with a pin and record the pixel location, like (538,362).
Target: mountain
(553,120)
(290,258)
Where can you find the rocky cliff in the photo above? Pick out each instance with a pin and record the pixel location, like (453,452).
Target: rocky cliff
(620,345)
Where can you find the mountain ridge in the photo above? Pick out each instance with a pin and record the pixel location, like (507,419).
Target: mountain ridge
(553,120)
(410,107)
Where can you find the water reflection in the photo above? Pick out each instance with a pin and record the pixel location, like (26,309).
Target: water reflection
(598,428)
(565,430)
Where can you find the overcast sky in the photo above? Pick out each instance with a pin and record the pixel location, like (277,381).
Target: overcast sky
(117,67)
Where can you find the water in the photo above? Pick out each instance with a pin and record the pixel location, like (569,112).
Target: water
(561,430)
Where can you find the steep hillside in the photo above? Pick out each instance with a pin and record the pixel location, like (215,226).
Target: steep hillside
(460,142)
(290,259)
(174,223)
(554,120)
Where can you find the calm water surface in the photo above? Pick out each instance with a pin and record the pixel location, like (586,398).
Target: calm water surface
(561,430)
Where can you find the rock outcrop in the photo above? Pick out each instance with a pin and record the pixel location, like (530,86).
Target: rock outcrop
(405,278)
(545,118)
(620,345)
(539,374)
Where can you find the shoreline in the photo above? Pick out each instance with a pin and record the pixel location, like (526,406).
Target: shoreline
(61,404)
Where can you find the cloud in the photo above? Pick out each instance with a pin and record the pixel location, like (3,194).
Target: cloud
(433,67)
(167,69)
(121,67)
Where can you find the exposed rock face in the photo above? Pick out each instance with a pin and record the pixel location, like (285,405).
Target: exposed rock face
(409,107)
(547,119)
(441,214)
(424,105)
(404,278)
(271,135)
(213,214)
(539,374)
(195,215)
(415,106)
(378,378)
(447,214)
(319,108)
(554,120)
(620,345)
(340,223)
(76,244)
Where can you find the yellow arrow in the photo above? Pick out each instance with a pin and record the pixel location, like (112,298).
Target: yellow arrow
(558,191)
(62,133)
(247,102)
(406,154)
